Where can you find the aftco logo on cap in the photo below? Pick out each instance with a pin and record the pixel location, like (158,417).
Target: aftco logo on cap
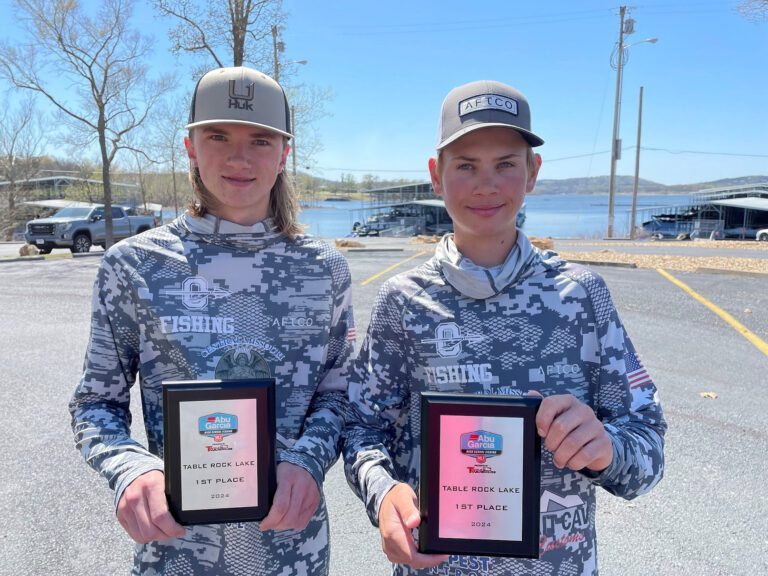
(487,102)
(240,101)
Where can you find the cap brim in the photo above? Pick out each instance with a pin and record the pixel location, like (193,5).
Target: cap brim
(530,137)
(242,122)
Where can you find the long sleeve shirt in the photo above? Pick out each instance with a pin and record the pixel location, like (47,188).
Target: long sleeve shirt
(535,323)
(199,299)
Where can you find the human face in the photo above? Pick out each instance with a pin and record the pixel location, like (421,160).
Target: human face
(483,178)
(238,164)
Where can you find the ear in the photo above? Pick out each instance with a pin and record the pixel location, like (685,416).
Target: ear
(435,177)
(531,184)
(284,159)
(190,151)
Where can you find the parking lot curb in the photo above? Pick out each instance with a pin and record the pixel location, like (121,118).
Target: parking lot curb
(50,257)
(375,249)
(733,272)
(598,263)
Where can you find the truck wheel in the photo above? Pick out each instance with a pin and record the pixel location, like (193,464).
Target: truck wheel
(763,237)
(81,244)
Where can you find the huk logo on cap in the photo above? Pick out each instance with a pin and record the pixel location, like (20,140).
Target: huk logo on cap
(240,101)
(487,102)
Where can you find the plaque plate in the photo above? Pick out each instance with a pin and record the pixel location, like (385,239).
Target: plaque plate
(480,482)
(219,449)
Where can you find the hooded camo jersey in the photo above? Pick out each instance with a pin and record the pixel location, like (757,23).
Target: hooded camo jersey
(533,323)
(203,298)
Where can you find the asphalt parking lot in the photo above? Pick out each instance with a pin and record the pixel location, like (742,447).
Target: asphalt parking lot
(705,518)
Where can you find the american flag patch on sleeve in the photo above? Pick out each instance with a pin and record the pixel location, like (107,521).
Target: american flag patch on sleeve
(351,334)
(636,373)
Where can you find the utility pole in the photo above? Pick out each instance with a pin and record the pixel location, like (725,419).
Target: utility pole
(275,50)
(615,142)
(637,167)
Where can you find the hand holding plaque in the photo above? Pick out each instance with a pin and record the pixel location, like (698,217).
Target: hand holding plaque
(219,449)
(480,475)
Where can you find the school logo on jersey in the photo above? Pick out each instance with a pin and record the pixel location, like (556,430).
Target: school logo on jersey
(195,293)
(242,362)
(449,339)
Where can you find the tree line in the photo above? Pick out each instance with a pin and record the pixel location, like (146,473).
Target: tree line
(119,117)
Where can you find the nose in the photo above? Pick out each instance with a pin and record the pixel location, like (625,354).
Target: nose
(238,154)
(486,182)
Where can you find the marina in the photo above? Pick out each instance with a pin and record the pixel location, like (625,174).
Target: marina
(736,212)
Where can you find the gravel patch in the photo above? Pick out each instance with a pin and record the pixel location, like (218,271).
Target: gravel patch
(612,253)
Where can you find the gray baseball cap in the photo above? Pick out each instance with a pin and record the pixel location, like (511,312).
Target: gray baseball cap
(484,104)
(240,95)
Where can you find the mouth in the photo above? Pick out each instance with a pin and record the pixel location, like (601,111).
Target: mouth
(239,181)
(485,210)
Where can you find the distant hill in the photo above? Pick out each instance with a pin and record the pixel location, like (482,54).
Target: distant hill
(624,185)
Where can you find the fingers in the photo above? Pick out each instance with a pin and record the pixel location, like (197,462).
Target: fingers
(296,499)
(574,435)
(280,503)
(143,510)
(160,516)
(398,515)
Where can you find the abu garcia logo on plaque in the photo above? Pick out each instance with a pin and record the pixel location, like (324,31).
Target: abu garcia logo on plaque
(481,445)
(217,426)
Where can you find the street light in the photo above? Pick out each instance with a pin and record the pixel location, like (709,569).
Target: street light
(625,27)
(277,47)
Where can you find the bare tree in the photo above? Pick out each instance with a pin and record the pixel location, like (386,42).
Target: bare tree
(21,145)
(224,32)
(756,10)
(307,107)
(249,32)
(101,57)
(166,141)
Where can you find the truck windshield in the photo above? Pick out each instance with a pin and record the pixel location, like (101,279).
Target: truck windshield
(73,212)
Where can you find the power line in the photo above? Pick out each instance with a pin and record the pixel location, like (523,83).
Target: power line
(563,158)
(704,152)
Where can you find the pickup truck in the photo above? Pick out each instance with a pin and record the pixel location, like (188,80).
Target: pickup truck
(79,227)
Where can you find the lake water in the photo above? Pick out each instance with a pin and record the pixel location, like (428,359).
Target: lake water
(558,216)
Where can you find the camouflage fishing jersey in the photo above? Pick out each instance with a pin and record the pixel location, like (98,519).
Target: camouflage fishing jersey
(534,323)
(203,298)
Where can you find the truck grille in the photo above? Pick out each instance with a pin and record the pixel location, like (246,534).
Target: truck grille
(41,229)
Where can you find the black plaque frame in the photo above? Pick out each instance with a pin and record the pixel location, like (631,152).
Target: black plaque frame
(433,406)
(177,392)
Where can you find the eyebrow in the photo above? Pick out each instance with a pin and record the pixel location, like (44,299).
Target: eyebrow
(505,157)
(257,134)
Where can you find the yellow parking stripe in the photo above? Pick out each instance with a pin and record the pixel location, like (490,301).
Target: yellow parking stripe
(735,324)
(372,278)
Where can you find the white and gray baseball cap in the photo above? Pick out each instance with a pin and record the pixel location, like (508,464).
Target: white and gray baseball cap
(484,104)
(240,95)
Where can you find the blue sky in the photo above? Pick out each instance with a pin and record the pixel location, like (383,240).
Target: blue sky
(390,64)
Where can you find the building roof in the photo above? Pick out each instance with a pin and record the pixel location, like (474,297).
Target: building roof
(749,203)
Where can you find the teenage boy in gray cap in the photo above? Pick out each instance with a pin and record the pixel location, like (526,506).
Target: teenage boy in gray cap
(491,314)
(229,288)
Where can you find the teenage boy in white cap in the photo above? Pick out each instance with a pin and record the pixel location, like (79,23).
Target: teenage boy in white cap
(228,289)
(491,314)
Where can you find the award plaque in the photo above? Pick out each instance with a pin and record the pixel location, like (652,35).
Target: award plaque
(480,475)
(219,449)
